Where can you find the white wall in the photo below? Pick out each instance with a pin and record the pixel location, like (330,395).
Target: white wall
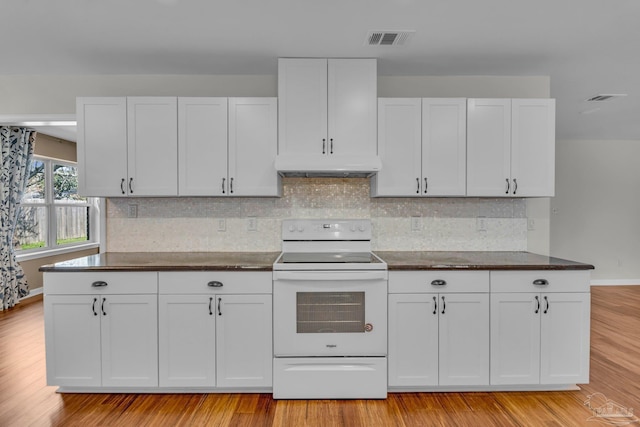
(39,94)
(596,212)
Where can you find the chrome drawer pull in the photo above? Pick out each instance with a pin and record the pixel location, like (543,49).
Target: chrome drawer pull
(215,284)
(99,283)
(538,307)
(541,282)
(438,282)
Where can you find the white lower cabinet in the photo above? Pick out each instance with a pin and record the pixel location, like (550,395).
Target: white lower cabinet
(540,337)
(215,329)
(438,338)
(101,332)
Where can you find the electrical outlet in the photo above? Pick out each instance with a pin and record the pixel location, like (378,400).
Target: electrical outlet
(531,224)
(252,223)
(481,223)
(132,211)
(222,224)
(416,223)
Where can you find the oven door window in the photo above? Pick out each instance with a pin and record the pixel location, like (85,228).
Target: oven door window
(330,312)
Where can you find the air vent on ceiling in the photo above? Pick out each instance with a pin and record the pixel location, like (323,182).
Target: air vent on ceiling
(389,38)
(605,97)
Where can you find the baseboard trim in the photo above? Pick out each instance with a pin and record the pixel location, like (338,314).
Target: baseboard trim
(616,282)
(32,293)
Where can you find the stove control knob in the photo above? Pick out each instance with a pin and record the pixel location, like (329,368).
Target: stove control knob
(292,228)
(361,227)
(300,228)
(352,228)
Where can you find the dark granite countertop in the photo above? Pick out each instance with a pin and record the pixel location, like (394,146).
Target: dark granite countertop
(435,260)
(168,261)
(263,261)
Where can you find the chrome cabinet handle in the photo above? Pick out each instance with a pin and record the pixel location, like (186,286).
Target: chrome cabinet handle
(417,185)
(508,186)
(541,282)
(219,303)
(99,284)
(444,305)
(223,179)
(324,146)
(438,282)
(435,305)
(538,305)
(104,313)
(122,186)
(210,302)
(546,309)
(230,185)
(331,152)
(93,307)
(515,186)
(426,186)
(131,185)
(215,284)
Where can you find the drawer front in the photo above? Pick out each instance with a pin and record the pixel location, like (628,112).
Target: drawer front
(434,281)
(103,283)
(541,281)
(215,282)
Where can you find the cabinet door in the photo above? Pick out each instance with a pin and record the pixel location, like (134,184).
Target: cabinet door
(129,330)
(243,340)
(515,338)
(399,145)
(564,346)
(202,146)
(72,340)
(102,146)
(444,146)
(533,144)
(152,146)
(302,106)
(253,145)
(488,147)
(187,340)
(413,340)
(464,339)
(352,98)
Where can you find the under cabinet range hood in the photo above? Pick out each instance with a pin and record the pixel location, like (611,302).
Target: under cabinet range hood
(352,166)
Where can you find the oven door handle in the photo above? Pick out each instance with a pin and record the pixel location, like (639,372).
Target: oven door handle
(322,276)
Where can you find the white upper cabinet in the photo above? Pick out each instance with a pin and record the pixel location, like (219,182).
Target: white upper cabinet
(152,145)
(422,144)
(202,146)
(511,147)
(253,142)
(327,107)
(102,146)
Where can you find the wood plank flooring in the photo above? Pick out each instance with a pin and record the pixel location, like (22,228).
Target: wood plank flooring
(25,400)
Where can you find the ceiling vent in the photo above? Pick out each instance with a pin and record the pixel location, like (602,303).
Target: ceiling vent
(389,38)
(605,97)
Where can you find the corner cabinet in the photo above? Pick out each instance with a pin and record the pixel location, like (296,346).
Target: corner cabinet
(215,329)
(511,147)
(540,325)
(327,107)
(438,329)
(227,147)
(101,329)
(127,146)
(422,144)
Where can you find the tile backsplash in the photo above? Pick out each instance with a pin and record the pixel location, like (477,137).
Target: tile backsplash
(192,224)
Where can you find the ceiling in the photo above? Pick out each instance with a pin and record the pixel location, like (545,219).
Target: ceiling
(587,47)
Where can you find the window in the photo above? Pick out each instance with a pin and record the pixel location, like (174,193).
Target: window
(52,214)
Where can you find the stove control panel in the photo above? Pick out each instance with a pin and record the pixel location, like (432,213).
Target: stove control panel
(326,229)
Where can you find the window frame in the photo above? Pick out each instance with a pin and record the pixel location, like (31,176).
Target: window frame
(50,204)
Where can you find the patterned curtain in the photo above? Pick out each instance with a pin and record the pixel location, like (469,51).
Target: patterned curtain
(17,149)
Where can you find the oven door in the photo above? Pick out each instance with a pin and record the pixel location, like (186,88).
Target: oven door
(330,313)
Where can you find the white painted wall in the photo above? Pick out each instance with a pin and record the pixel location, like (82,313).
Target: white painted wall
(596,212)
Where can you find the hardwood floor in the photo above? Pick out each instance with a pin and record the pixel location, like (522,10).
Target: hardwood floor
(25,400)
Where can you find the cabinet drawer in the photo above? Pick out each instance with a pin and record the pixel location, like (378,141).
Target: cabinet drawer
(550,281)
(103,283)
(197,282)
(435,281)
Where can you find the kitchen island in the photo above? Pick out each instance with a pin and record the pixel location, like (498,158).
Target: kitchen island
(181,322)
